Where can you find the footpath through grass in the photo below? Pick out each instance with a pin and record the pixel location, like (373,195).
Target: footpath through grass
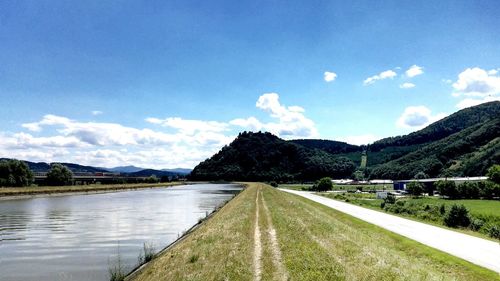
(266,234)
(35,190)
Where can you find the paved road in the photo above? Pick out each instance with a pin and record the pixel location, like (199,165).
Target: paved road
(475,250)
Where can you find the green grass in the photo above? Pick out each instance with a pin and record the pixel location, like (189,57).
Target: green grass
(486,210)
(315,243)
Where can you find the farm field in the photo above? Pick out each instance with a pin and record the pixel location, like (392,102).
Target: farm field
(267,234)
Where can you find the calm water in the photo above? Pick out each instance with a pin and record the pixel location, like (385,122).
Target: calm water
(76,237)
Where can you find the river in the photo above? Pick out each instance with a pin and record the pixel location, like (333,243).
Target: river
(78,237)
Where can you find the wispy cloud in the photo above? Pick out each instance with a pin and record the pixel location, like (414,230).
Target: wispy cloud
(407,85)
(381,76)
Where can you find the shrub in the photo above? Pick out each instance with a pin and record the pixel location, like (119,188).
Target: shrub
(494,231)
(476,224)
(324,184)
(273,184)
(390,199)
(457,216)
(442,209)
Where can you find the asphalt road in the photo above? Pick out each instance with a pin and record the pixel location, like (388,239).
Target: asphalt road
(479,251)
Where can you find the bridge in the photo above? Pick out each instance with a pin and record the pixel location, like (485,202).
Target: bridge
(88,178)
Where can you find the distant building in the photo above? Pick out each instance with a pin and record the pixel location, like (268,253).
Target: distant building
(342,181)
(429,183)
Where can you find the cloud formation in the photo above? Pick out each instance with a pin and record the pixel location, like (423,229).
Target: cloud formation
(381,76)
(171,142)
(414,70)
(330,76)
(477,86)
(417,117)
(290,122)
(407,85)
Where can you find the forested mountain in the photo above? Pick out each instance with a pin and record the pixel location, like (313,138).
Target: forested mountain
(75,168)
(465,143)
(263,156)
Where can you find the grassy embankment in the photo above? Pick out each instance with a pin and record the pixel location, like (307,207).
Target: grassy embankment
(428,209)
(266,234)
(34,190)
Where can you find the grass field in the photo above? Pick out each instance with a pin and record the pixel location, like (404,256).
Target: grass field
(425,209)
(17,191)
(266,234)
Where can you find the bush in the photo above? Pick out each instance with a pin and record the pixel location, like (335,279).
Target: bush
(324,184)
(442,209)
(494,231)
(476,224)
(457,216)
(59,175)
(273,184)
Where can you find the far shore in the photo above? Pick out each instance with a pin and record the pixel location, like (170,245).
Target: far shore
(23,192)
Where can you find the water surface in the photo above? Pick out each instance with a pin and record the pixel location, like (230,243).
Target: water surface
(77,237)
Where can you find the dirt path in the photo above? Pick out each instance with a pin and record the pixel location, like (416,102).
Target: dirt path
(475,250)
(280,273)
(257,255)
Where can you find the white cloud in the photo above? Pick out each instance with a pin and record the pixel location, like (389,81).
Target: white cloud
(414,70)
(477,86)
(381,76)
(468,102)
(407,85)
(179,142)
(96,112)
(330,76)
(477,82)
(417,117)
(190,126)
(359,139)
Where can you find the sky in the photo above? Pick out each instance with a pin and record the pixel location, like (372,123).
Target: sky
(165,84)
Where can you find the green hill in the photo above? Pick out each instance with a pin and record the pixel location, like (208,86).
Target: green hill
(465,143)
(263,156)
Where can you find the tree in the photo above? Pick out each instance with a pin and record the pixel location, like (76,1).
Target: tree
(447,188)
(494,173)
(15,173)
(324,184)
(420,175)
(415,188)
(59,175)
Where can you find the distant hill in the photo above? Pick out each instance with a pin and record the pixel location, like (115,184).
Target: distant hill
(465,143)
(151,172)
(124,169)
(75,168)
(263,156)
(180,171)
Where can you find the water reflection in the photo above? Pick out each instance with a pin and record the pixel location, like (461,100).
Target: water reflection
(73,237)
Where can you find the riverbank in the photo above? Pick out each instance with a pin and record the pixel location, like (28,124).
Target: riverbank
(267,234)
(21,192)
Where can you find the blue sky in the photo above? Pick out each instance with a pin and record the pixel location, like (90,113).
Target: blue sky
(167,83)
